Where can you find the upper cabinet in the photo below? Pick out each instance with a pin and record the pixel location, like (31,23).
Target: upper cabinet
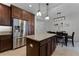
(16,12)
(21,14)
(27,15)
(4,15)
(30,18)
(24,15)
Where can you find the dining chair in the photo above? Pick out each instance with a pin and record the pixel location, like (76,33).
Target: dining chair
(60,39)
(71,38)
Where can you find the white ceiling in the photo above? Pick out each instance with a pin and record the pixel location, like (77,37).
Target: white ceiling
(34,8)
(53,8)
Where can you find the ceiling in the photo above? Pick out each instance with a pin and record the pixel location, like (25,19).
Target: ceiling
(35,6)
(53,9)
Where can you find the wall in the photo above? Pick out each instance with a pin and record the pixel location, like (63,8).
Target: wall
(70,11)
(41,25)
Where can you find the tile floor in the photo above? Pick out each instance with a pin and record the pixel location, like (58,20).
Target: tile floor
(60,51)
(17,52)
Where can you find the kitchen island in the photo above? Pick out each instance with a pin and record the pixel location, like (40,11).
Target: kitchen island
(42,44)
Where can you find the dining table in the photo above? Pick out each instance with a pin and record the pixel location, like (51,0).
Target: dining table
(59,34)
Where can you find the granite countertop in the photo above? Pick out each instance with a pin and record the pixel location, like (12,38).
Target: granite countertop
(40,36)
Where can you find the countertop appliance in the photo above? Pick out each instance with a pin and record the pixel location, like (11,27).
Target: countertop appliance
(20,30)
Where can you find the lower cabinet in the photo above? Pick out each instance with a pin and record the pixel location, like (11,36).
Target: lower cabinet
(41,48)
(5,42)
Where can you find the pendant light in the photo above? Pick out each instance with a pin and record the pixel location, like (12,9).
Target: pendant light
(39,12)
(47,17)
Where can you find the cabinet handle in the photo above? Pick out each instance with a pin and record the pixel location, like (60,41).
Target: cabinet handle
(31,45)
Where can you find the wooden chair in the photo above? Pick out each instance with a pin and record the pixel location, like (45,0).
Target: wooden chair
(71,38)
(60,38)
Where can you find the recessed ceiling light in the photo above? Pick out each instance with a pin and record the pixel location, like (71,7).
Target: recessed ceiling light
(30,6)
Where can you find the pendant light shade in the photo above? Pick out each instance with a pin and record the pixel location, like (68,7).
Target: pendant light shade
(47,17)
(39,12)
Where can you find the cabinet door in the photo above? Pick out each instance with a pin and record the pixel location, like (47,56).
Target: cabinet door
(16,12)
(27,15)
(53,43)
(32,47)
(30,18)
(43,50)
(4,15)
(1,14)
(5,43)
(24,15)
(31,27)
(49,47)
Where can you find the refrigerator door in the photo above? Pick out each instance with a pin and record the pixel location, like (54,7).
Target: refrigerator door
(15,32)
(25,31)
(25,28)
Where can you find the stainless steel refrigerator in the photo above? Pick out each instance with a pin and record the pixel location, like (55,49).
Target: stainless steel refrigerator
(20,30)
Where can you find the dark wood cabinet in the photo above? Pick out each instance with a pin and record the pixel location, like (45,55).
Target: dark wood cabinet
(53,43)
(25,15)
(30,18)
(4,15)
(49,46)
(41,48)
(31,26)
(16,12)
(5,42)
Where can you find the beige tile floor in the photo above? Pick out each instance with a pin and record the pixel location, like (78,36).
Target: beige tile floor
(65,52)
(17,52)
(60,51)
